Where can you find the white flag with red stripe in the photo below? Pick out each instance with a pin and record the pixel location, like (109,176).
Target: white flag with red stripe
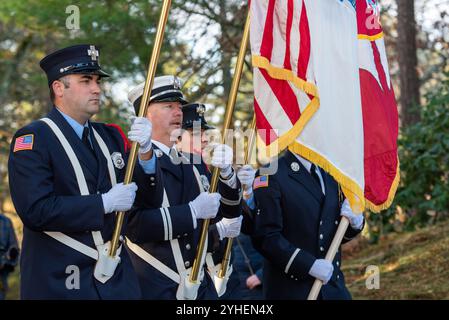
(380,115)
(307,89)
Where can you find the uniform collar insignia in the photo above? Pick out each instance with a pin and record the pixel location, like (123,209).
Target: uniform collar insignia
(294,166)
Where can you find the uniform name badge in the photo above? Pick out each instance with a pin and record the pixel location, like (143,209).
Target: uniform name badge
(117,160)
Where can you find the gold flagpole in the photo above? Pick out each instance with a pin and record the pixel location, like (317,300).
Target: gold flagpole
(142,112)
(227,122)
(227,254)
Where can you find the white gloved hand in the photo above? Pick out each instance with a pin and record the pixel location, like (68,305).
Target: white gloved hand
(322,269)
(229,228)
(222,158)
(206,205)
(355,220)
(246,175)
(140,132)
(119,198)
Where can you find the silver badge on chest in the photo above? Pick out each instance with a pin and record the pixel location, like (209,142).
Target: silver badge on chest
(205,183)
(117,160)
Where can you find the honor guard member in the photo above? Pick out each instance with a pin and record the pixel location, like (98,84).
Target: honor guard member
(193,139)
(65,180)
(163,239)
(192,143)
(298,212)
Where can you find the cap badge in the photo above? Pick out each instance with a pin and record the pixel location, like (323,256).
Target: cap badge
(200,110)
(93,53)
(176,83)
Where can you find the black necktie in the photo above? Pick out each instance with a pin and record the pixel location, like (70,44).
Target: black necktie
(315,175)
(85,139)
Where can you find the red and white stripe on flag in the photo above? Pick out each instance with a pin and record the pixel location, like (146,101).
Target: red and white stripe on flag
(285,95)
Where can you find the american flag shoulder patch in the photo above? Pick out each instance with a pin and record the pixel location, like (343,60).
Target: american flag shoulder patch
(260,181)
(24,142)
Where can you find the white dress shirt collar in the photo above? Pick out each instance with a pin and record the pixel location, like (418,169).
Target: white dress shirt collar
(165,149)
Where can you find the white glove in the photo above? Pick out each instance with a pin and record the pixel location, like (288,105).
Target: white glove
(229,228)
(355,220)
(119,198)
(206,205)
(246,175)
(322,269)
(140,132)
(222,158)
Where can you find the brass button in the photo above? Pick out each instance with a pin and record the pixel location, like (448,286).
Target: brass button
(187,264)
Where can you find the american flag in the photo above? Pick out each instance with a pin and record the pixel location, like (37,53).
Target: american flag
(24,143)
(284,83)
(260,181)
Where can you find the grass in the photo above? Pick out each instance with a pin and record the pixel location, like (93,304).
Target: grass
(412,266)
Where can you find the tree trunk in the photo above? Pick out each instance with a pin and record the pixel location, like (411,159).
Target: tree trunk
(408,62)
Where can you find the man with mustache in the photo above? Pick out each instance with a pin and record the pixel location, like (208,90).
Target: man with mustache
(163,239)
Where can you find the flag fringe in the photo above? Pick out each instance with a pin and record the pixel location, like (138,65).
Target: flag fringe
(370,38)
(286,139)
(352,191)
(385,205)
(284,74)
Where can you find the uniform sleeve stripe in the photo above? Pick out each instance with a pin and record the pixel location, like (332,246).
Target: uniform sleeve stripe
(231,202)
(291,260)
(169,224)
(164,221)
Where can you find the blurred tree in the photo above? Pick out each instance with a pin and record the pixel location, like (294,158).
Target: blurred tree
(423,194)
(408,62)
(214,44)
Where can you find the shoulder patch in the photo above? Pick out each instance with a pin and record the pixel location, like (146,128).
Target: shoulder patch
(122,134)
(260,182)
(24,142)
